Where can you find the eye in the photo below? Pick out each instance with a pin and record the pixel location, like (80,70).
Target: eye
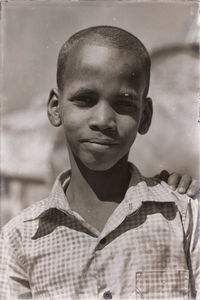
(83,100)
(125,103)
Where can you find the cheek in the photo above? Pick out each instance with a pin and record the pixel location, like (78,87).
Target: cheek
(71,129)
(71,118)
(74,126)
(128,128)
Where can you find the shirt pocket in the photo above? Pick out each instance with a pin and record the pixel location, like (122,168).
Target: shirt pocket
(162,284)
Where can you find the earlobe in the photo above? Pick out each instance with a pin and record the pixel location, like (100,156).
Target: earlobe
(53,110)
(146,118)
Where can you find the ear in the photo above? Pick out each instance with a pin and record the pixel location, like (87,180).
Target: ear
(146,118)
(53,110)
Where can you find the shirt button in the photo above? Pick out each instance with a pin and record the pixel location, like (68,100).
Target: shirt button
(107,295)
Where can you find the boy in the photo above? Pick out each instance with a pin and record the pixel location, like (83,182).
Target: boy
(105,231)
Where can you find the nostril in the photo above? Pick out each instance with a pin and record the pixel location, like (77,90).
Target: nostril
(110,126)
(94,127)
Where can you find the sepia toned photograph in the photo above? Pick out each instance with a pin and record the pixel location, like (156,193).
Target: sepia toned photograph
(99,150)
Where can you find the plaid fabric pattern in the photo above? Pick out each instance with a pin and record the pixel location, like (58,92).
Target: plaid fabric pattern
(162,284)
(148,248)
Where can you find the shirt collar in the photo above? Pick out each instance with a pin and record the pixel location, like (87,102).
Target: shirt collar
(56,199)
(141,189)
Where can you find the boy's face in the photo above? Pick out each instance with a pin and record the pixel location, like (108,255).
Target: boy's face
(102,106)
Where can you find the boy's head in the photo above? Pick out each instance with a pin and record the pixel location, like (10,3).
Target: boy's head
(107,36)
(103,78)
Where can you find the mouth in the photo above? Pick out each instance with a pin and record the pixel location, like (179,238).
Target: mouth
(99,145)
(103,142)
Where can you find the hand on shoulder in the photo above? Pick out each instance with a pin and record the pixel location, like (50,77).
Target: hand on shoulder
(184,183)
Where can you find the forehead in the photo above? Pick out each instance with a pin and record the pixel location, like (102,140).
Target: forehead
(90,61)
(96,55)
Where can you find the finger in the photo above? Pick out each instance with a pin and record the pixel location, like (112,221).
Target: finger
(184,184)
(173,180)
(193,188)
(164,175)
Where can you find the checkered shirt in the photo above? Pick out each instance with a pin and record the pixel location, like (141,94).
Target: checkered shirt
(148,248)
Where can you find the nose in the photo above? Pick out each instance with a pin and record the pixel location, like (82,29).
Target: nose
(103,117)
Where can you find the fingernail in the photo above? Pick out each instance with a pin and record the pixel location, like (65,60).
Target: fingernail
(190,193)
(181,190)
(172,187)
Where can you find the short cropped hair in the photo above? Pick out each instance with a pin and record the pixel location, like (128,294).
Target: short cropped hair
(104,35)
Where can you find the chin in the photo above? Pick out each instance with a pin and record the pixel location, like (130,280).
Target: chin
(98,163)
(98,166)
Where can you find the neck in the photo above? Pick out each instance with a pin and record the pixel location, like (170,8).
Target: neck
(93,187)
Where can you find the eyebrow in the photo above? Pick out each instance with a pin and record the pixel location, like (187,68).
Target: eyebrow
(129,94)
(83,90)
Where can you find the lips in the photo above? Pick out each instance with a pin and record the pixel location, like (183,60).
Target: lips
(99,141)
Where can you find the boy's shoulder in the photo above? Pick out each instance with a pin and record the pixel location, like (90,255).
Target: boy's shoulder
(188,208)
(165,193)
(29,213)
(55,199)
(152,189)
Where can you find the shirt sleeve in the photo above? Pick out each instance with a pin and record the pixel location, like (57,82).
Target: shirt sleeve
(193,238)
(14,283)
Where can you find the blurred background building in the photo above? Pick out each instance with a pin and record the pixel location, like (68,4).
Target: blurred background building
(33,152)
